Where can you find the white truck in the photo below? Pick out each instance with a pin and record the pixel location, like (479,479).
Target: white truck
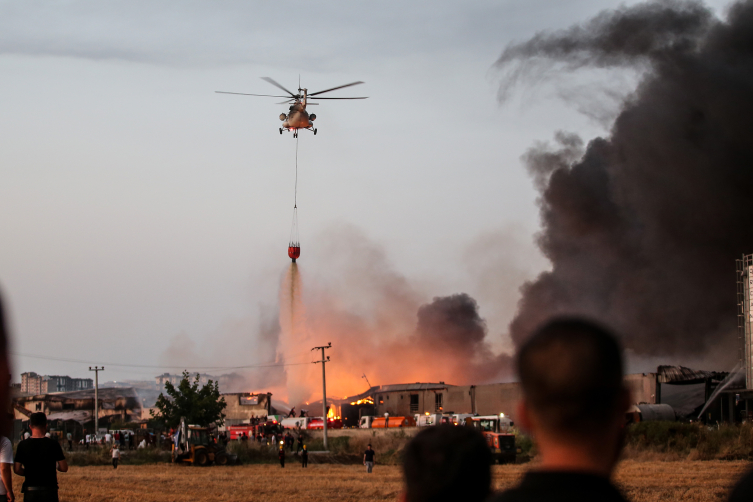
(365,422)
(429,419)
(295,423)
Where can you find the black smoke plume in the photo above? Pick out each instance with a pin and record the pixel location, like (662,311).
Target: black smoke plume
(452,323)
(642,226)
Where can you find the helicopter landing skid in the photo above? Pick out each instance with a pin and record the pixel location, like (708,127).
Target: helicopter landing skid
(295,131)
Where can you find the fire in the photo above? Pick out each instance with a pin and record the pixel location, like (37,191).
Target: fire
(368,400)
(331,412)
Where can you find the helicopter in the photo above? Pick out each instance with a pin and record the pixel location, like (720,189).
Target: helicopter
(297,116)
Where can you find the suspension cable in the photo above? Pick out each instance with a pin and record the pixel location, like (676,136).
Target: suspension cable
(295,197)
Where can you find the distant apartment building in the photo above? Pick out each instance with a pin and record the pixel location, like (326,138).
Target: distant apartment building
(32,383)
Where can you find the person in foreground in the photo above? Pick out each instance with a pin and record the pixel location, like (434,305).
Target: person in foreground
(573,404)
(6,467)
(447,463)
(36,459)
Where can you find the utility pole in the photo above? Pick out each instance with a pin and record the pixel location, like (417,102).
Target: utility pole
(96,371)
(324,391)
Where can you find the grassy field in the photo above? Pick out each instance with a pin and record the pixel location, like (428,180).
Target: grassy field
(641,481)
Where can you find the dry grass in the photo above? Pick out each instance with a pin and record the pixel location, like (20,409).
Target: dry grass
(641,481)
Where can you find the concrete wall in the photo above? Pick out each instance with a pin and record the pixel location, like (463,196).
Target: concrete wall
(237,411)
(642,387)
(497,398)
(459,399)
(397,403)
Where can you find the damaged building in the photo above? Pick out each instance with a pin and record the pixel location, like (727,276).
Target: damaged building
(115,405)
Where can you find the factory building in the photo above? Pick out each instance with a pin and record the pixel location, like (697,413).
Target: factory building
(243,406)
(485,399)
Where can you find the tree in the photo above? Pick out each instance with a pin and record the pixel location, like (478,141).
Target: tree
(201,406)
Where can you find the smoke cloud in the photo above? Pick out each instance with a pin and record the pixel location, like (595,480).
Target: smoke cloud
(379,325)
(642,226)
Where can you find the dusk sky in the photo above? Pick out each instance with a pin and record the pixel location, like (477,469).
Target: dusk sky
(144,218)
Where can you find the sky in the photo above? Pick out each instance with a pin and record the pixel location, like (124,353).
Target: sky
(144,218)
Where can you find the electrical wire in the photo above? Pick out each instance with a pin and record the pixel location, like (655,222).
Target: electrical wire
(122,365)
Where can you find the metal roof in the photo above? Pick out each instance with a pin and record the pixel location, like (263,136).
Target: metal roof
(680,375)
(80,416)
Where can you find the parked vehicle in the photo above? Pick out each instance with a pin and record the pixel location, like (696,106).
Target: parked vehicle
(499,437)
(295,423)
(429,419)
(459,418)
(236,431)
(332,423)
(365,422)
(195,448)
(390,422)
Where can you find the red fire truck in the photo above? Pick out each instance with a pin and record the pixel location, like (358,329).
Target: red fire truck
(499,437)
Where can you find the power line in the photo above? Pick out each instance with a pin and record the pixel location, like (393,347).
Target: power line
(81,361)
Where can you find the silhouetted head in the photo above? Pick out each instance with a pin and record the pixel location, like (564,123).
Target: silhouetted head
(38,420)
(5,420)
(447,463)
(571,373)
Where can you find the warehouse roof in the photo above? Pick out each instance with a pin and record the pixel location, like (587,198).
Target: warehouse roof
(680,375)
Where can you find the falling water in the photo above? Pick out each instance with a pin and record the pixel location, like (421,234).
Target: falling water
(294,340)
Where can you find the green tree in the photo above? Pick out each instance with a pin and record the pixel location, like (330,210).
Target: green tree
(201,406)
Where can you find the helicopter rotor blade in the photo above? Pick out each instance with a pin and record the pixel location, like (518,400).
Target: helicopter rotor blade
(245,94)
(291,102)
(335,88)
(365,97)
(276,84)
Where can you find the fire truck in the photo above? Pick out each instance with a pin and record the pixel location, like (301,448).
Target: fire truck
(499,437)
(332,423)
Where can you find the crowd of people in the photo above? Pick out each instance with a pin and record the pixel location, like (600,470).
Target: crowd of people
(573,403)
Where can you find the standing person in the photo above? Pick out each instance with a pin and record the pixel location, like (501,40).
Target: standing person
(115,450)
(447,463)
(36,460)
(281,456)
(368,458)
(304,457)
(70,441)
(573,403)
(131,440)
(300,443)
(6,473)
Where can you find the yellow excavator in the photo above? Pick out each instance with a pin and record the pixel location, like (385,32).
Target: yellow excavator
(193,446)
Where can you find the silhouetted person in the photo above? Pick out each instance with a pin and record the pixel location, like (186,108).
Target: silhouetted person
(304,457)
(6,470)
(743,490)
(281,456)
(573,404)
(6,419)
(115,451)
(368,458)
(36,459)
(447,462)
